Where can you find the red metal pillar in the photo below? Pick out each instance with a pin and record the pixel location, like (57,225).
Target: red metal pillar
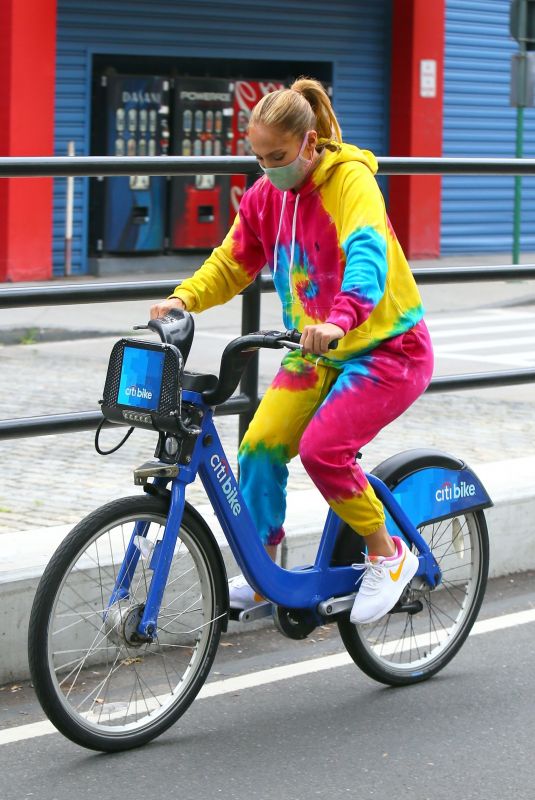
(27,66)
(416,112)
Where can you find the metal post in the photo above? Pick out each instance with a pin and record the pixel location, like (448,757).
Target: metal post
(521,95)
(250,321)
(69,203)
(518,185)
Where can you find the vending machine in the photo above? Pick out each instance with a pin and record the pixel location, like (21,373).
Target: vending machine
(202,126)
(136,124)
(246,96)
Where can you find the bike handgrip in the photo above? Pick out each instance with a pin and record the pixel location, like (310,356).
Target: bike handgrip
(175,327)
(295,336)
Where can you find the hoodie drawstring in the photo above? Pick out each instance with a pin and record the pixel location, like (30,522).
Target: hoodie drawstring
(292,248)
(279,234)
(292,245)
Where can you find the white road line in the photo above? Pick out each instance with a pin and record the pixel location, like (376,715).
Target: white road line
(487,329)
(486,345)
(486,316)
(495,329)
(521,359)
(274,674)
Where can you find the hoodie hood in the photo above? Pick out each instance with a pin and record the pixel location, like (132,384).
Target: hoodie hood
(329,160)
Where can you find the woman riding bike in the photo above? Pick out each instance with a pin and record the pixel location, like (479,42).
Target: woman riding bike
(318,219)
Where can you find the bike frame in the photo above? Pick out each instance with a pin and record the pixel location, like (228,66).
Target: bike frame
(303,587)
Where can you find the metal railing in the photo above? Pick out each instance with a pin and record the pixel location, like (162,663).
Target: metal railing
(246,401)
(96,166)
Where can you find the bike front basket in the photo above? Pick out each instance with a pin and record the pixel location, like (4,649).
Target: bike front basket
(143,385)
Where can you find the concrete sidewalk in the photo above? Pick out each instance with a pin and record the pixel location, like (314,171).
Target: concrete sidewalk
(23,557)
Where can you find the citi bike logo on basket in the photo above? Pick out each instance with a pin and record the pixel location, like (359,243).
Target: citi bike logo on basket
(230,491)
(454,491)
(138,391)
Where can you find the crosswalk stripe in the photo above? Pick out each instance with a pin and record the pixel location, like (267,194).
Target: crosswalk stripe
(485,316)
(520,360)
(465,337)
(483,345)
(521,326)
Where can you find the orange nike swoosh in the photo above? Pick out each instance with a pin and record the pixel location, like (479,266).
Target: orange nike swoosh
(395,575)
(259,599)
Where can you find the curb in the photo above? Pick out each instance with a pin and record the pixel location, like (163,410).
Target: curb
(37,335)
(23,555)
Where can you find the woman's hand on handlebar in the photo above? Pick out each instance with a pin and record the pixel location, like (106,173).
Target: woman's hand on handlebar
(162,308)
(316,338)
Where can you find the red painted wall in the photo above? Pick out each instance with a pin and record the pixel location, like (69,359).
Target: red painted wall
(27,66)
(416,123)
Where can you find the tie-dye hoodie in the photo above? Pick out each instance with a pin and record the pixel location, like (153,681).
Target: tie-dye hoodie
(331,250)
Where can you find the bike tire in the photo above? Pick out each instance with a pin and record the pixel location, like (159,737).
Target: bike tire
(401,649)
(71,580)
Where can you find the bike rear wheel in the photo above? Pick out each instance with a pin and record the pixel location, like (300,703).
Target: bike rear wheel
(97,687)
(404,648)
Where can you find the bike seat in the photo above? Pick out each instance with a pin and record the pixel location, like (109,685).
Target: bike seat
(198,381)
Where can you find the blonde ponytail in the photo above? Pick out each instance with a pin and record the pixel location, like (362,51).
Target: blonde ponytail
(303,107)
(327,125)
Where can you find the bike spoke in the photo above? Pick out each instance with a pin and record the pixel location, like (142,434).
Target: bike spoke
(404,640)
(102,675)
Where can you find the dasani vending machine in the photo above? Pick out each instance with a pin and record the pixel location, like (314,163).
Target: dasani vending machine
(137,124)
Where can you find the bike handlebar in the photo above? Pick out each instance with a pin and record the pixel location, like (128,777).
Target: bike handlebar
(177,328)
(239,352)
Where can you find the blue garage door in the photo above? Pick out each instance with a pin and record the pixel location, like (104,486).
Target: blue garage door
(477,212)
(351,35)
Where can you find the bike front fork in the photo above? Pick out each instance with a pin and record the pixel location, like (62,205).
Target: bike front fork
(161,557)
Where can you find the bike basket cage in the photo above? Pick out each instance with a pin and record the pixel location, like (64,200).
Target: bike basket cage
(143,385)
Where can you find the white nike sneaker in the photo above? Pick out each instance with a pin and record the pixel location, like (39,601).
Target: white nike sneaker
(382,583)
(241,595)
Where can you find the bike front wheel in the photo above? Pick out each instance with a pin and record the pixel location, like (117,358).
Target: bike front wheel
(100,688)
(403,648)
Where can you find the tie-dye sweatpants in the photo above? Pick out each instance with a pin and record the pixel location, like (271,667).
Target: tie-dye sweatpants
(327,414)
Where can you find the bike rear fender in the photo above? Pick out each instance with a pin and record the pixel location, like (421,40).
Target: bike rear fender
(431,485)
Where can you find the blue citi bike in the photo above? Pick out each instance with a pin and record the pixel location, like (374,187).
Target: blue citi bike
(128,614)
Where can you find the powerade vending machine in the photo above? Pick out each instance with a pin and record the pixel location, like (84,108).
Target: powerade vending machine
(202,126)
(137,124)
(246,96)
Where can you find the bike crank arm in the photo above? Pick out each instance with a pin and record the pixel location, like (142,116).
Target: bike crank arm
(341,606)
(258,611)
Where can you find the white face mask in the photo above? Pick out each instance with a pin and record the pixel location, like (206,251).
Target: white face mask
(290,175)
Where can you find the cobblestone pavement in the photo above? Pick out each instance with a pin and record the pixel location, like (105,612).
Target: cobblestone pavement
(53,480)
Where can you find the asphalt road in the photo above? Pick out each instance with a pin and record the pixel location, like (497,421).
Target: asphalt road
(465,734)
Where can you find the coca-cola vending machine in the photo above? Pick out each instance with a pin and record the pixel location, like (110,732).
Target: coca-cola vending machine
(202,126)
(246,96)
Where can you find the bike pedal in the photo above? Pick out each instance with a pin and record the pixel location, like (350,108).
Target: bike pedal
(258,611)
(412,607)
(154,469)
